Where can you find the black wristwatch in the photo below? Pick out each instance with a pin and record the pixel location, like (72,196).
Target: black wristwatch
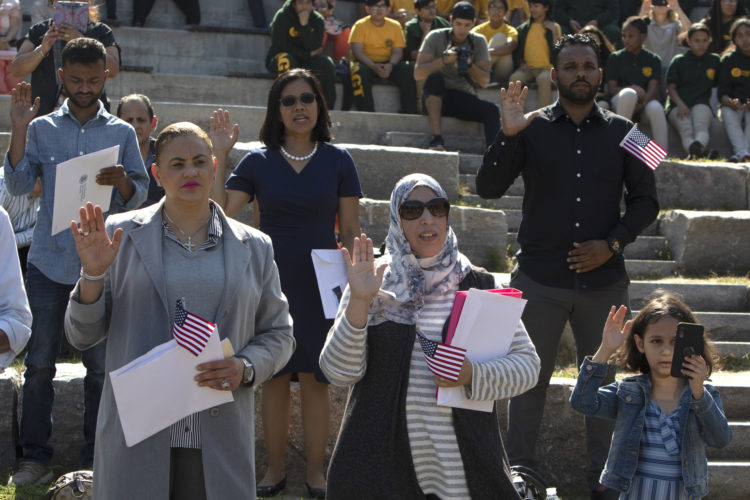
(615,246)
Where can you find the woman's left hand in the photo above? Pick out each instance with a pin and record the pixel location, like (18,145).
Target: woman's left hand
(695,368)
(464,378)
(214,373)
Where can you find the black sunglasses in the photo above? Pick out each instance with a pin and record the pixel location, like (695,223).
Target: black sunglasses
(290,100)
(413,209)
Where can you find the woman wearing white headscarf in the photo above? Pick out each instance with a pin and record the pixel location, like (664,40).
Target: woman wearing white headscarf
(395,442)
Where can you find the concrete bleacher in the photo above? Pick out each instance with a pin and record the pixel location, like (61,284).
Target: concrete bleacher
(188,73)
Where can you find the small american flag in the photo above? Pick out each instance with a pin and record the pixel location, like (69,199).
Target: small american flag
(643,147)
(443,360)
(191,331)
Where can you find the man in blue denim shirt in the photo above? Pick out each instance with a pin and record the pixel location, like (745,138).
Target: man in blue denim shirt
(79,127)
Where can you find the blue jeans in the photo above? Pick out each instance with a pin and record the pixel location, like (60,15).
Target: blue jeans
(48,301)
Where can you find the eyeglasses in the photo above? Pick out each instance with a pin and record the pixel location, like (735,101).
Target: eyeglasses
(413,209)
(290,100)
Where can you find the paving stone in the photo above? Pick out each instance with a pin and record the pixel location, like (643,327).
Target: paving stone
(699,296)
(704,242)
(702,186)
(649,269)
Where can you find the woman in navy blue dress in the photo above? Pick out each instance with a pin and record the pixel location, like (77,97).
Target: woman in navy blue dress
(298,183)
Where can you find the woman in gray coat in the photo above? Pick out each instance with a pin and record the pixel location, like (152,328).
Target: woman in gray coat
(133,271)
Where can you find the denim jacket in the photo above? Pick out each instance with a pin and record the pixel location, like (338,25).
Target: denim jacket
(702,422)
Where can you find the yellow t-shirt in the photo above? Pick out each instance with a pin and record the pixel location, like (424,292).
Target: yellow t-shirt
(536,50)
(378,42)
(445,6)
(488,32)
(407,5)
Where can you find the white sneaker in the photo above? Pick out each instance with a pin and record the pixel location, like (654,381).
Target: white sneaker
(31,473)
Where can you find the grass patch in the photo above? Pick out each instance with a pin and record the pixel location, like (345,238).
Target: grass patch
(29,492)
(736,363)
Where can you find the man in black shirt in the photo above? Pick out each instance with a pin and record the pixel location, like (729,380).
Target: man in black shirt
(570,266)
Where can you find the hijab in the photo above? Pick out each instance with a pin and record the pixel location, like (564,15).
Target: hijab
(408,278)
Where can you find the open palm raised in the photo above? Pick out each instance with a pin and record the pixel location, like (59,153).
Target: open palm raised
(364,278)
(512,102)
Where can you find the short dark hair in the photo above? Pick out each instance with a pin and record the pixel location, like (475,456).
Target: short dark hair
(84,51)
(546,3)
(661,304)
(697,27)
(421,4)
(570,40)
(272,130)
(370,3)
(463,10)
(504,2)
(140,98)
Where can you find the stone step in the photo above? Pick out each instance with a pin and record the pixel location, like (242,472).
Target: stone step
(650,269)
(504,203)
(733,349)
(728,480)
(738,448)
(727,326)
(715,297)
(459,143)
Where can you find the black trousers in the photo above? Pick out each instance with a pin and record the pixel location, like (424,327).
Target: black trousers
(464,106)
(191,9)
(545,315)
(186,475)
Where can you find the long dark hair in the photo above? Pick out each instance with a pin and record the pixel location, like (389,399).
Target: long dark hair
(713,21)
(661,304)
(605,48)
(272,131)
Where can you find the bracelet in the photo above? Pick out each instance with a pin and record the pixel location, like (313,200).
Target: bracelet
(88,277)
(41,52)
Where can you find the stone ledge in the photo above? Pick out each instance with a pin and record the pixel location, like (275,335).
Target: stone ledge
(702,186)
(704,242)
(10,387)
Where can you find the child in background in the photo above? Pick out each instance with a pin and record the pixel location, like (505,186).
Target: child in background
(336,31)
(416,30)
(668,24)
(605,49)
(10,24)
(690,78)
(734,91)
(662,423)
(719,19)
(633,75)
(502,40)
(532,57)
(402,11)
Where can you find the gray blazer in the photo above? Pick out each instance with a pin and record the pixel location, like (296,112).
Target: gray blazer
(133,315)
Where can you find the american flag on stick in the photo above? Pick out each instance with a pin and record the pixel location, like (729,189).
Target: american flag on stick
(643,147)
(191,331)
(443,360)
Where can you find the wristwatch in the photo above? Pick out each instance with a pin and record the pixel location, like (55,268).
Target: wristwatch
(615,246)
(248,373)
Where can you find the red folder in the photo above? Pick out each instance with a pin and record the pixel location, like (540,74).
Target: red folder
(458,305)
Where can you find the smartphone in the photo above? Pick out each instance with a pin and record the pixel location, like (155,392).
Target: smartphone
(75,14)
(689,341)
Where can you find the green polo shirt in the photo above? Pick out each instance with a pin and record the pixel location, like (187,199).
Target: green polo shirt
(414,33)
(695,77)
(734,75)
(628,69)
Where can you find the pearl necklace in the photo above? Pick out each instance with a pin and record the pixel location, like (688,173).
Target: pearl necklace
(299,158)
(188,236)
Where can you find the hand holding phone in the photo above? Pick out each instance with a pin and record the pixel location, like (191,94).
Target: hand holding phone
(689,341)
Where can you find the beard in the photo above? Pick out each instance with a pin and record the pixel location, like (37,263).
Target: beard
(83,103)
(579,95)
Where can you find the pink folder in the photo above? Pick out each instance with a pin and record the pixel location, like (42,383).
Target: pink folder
(458,305)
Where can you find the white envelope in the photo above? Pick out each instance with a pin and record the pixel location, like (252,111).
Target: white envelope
(157,389)
(75,184)
(485,329)
(331,273)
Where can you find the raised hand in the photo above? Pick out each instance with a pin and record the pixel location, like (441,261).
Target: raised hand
(696,370)
(21,109)
(512,103)
(222,133)
(614,334)
(364,278)
(93,245)
(49,39)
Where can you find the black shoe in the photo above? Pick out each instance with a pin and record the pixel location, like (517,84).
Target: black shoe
(696,151)
(270,491)
(712,154)
(315,492)
(437,144)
